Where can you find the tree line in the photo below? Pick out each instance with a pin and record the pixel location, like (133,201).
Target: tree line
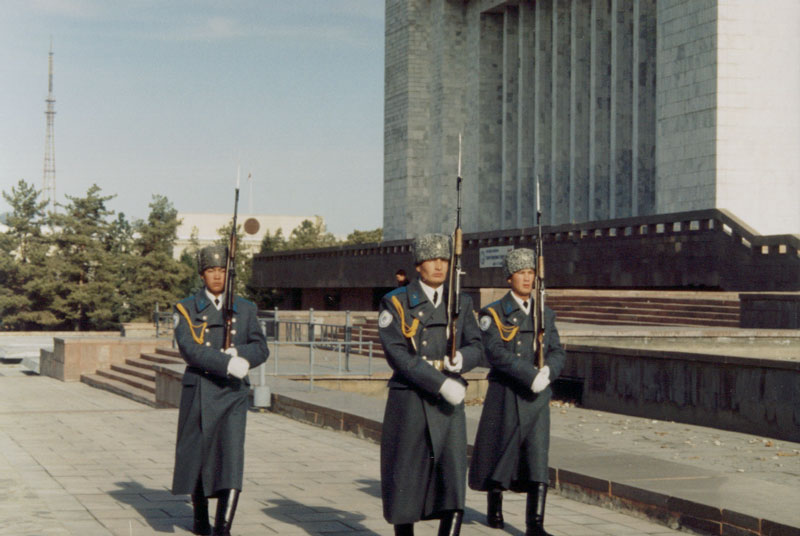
(89,268)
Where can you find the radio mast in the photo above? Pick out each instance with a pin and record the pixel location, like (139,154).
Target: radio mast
(49,176)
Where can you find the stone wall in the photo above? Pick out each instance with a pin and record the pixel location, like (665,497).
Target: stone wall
(71,358)
(750,395)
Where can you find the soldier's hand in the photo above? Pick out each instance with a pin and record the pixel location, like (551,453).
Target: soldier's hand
(542,380)
(238,367)
(456,365)
(453,391)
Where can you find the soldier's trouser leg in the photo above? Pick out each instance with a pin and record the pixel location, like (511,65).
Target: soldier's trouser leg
(226,508)
(200,510)
(494,508)
(534,510)
(450,525)
(406,529)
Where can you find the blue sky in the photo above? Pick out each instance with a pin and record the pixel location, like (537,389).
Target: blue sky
(171,96)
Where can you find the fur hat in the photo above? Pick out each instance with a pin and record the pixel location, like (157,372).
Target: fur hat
(431,246)
(211,257)
(519,259)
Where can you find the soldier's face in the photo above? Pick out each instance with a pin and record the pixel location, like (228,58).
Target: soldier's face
(433,272)
(214,278)
(522,282)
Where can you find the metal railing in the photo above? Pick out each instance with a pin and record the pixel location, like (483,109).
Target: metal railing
(330,347)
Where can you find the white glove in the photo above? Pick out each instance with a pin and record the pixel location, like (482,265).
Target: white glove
(232,351)
(453,391)
(238,367)
(542,380)
(458,362)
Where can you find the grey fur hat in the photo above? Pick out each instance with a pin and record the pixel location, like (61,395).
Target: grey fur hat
(431,246)
(519,259)
(211,257)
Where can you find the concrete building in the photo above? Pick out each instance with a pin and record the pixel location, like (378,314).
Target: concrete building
(619,108)
(206,228)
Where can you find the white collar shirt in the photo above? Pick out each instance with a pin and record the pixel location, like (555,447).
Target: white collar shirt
(429,291)
(216,301)
(521,303)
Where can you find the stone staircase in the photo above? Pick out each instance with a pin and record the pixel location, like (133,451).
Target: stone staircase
(136,378)
(646,308)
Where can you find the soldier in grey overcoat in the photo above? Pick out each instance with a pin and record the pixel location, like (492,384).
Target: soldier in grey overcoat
(209,451)
(513,436)
(424,439)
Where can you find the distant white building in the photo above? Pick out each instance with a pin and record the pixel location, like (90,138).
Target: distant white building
(207,228)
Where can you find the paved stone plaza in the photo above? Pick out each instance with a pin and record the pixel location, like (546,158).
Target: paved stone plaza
(79,461)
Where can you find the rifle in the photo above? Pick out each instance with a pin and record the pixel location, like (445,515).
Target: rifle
(230,278)
(454,281)
(538,287)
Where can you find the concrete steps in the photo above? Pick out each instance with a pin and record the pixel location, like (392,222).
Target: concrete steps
(136,379)
(647,309)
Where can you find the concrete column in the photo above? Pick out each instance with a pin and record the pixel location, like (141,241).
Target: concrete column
(490,125)
(559,187)
(621,107)
(580,47)
(600,111)
(526,189)
(510,175)
(543,109)
(644,109)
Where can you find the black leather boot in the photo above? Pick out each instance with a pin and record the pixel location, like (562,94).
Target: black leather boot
(450,525)
(494,509)
(534,511)
(226,508)
(406,529)
(200,510)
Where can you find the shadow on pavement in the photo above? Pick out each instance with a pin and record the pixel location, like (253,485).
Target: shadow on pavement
(316,519)
(162,510)
(471,516)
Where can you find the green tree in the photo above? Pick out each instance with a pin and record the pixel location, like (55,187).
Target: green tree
(88,272)
(156,278)
(192,282)
(364,237)
(273,242)
(24,262)
(310,235)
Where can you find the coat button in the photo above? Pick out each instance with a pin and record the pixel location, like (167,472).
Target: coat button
(205,317)
(424,343)
(519,354)
(208,344)
(233,320)
(425,357)
(233,332)
(422,313)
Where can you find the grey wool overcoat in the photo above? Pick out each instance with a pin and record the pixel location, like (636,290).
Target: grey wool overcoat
(213,408)
(424,439)
(513,438)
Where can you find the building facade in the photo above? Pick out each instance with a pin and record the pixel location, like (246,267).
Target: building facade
(618,108)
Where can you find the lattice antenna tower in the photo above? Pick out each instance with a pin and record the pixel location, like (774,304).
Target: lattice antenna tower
(49,175)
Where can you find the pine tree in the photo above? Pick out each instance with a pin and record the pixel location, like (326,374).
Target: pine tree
(88,272)
(24,261)
(157,277)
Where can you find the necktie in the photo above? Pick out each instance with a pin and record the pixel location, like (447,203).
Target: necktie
(435,297)
(525,305)
(216,302)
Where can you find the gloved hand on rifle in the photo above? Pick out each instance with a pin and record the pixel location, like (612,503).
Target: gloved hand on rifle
(456,364)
